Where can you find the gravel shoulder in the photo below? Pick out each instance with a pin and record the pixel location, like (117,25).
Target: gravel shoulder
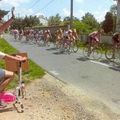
(51,99)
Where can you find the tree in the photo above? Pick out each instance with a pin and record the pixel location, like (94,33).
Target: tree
(81,27)
(66,20)
(54,20)
(113,9)
(17,23)
(3,13)
(90,20)
(31,21)
(28,21)
(108,23)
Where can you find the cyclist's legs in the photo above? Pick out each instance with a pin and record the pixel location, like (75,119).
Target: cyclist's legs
(15,36)
(115,44)
(90,43)
(6,78)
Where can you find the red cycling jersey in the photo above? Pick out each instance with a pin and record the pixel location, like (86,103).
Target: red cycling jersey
(95,36)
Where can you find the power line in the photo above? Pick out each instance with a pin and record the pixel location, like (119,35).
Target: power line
(37,1)
(46,5)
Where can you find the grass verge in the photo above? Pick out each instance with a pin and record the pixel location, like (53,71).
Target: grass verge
(34,72)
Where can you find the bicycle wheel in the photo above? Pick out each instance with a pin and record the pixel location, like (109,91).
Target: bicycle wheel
(57,45)
(39,42)
(109,54)
(31,40)
(97,53)
(75,46)
(86,52)
(67,48)
(15,37)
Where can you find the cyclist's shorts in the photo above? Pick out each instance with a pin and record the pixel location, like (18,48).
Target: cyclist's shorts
(115,40)
(93,40)
(2,75)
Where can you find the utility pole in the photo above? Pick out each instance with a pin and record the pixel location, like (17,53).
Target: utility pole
(118,16)
(71,14)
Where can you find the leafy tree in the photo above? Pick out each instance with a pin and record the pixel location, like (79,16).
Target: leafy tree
(28,21)
(17,23)
(81,27)
(31,21)
(108,23)
(113,9)
(66,20)
(3,13)
(54,20)
(90,20)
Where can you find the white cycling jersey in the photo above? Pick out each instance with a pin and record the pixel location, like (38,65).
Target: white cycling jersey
(65,33)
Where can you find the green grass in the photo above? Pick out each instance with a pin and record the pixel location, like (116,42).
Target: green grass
(34,72)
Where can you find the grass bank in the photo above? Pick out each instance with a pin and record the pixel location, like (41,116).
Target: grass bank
(34,72)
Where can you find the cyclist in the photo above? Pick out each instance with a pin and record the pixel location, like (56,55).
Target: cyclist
(47,35)
(59,35)
(70,35)
(115,41)
(15,33)
(65,36)
(75,34)
(21,33)
(27,34)
(94,38)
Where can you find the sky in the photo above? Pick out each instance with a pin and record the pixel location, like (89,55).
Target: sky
(47,8)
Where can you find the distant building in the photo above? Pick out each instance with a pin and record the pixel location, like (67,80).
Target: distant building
(43,20)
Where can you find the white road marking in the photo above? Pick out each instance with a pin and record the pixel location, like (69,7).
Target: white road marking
(54,72)
(100,63)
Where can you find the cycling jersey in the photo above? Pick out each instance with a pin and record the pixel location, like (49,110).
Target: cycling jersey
(95,36)
(15,31)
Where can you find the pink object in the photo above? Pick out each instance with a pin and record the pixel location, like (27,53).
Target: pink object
(7,97)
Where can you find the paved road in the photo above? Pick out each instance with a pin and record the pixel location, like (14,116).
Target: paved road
(96,78)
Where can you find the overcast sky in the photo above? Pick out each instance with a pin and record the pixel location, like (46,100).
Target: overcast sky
(51,7)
